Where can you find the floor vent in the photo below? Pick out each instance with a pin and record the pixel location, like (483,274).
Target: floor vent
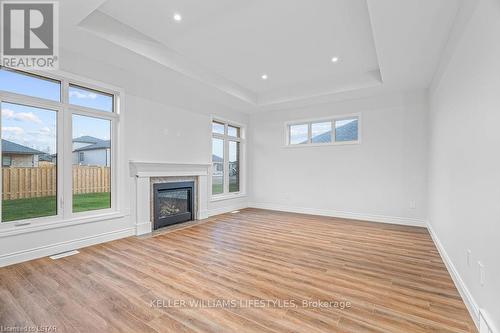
(64,254)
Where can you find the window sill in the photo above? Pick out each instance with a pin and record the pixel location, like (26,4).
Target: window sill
(11,230)
(304,145)
(222,197)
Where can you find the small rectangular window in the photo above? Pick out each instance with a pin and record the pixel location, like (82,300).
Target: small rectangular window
(217,166)
(346,130)
(233,131)
(321,132)
(90,98)
(217,128)
(6,160)
(28,84)
(299,134)
(91,163)
(336,130)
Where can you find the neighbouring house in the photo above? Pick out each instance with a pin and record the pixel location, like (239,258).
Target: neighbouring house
(47,160)
(217,165)
(16,155)
(91,151)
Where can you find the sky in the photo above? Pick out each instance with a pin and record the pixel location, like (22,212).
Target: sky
(31,127)
(36,127)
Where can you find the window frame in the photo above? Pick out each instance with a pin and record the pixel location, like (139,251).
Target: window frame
(311,121)
(65,111)
(225,195)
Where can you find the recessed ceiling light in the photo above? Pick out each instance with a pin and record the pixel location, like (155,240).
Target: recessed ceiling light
(177,17)
(335,59)
(264,77)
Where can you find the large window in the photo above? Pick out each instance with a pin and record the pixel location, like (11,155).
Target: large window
(226,158)
(57,147)
(341,130)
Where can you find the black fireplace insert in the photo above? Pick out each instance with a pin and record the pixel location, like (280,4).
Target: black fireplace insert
(173,203)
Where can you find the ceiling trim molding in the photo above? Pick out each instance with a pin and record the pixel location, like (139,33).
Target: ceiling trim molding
(112,30)
(116,32)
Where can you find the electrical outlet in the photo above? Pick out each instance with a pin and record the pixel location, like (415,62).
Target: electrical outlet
(413,204)
(469,254)
(482,273)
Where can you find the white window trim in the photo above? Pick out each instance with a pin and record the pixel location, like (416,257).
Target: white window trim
(226,195)
(64,152)
(310,121)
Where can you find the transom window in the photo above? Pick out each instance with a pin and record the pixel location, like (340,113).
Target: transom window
(226,158)
(342,130)
(58,144)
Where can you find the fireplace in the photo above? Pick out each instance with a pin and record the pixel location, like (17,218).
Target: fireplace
(173,203)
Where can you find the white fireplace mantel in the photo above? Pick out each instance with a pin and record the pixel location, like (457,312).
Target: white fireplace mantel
(144,171)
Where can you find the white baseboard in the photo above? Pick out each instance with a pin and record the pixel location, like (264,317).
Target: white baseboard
(203,215)
(226,209)
(485,323)
(143,228)
(469,301)
(341,214)
(44,251)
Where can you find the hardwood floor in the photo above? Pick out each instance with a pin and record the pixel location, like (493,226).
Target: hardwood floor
(392,276)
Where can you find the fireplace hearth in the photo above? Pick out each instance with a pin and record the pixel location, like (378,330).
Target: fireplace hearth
(173,203)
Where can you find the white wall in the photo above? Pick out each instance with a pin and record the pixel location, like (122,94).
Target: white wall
(377,179)
(160,133)
(464,168)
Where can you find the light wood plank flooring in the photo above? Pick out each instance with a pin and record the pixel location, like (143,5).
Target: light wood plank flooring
(392,276)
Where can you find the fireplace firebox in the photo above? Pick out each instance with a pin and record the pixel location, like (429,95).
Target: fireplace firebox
(173,203)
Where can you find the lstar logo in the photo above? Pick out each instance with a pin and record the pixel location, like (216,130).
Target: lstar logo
(30,34)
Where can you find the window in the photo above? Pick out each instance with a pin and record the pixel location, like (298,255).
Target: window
(217,166)
(346,130)
(92,174)
(233,131)
(299,134)
(226,156)
(40,118)
(90,98)
(6,160)
(321,132)
(28,188)
(217,128)
(29,84)
(342,130)
(234,166)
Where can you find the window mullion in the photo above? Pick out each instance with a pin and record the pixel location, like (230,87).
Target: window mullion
(67,163)
(334,135)
(309,132)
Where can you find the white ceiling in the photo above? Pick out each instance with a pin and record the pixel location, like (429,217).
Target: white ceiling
(228,44)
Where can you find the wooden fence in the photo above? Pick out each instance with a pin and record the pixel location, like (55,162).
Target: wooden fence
(20,183)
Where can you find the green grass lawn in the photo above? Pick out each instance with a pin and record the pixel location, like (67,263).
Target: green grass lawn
(21,209)
(217,188)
